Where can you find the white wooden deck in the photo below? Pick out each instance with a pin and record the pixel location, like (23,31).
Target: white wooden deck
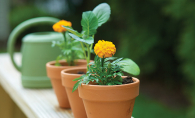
(35,103)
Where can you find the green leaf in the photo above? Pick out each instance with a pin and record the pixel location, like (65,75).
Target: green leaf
(116,61)
(129,66)
(102,12)
(66,51)
(76,37)
(119,74)
(92,77)
(75,48)
(73,31)
(89,23)
(110,58)
(109,84)
(117,82)
(67,36)
(79,78)
(89,40)
(76,86)
(91,63)
(57,63)
(84,36)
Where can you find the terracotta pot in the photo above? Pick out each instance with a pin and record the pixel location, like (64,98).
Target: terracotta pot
(76,102)
(54,73)
(116,101)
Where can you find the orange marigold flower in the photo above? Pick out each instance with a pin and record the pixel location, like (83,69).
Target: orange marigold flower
(104,49)
(57,27)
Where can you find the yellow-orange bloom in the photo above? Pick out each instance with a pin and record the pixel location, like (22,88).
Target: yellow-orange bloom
(58,26)
(104,49)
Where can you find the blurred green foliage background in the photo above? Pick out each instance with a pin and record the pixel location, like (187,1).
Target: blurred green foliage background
(159,35)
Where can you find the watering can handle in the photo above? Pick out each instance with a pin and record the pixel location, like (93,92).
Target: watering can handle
(20,28)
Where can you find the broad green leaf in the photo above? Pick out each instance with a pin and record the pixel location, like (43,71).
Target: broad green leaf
(84,36)
(73,31)
(102,12)
(89,40)
(76,37)
(89,23)
(129,66)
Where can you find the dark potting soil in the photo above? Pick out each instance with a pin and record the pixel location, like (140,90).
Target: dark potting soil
(81,72)
(127,80)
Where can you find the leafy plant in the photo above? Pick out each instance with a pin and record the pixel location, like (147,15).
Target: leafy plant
(70,48)
(101,71)
(91,20)
(107,70)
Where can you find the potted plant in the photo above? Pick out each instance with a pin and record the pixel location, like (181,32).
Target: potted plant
(105,91)
(69,58)
(91,20)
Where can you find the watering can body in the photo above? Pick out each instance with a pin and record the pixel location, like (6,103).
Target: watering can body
(36,52)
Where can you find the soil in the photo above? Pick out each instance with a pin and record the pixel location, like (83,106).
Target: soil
(81,72)
(127,80)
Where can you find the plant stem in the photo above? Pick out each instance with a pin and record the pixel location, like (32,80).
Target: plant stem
(102,62)
(88,60)
(91,47)
(83,50)
(102,67)
(72,58)
(64,35)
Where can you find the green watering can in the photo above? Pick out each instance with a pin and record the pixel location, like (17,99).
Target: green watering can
(36,52)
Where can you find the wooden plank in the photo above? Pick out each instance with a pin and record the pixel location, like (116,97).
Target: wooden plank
(8,109)
(35,103)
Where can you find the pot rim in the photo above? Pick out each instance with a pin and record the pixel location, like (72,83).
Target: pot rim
(51,63)
(73,68)
(90,86)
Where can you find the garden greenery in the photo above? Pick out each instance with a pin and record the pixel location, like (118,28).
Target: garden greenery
(105,70)
(91,20)
(70,48)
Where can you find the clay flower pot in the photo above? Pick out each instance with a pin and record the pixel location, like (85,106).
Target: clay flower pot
(76,102)
(54,73)
(116,101)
